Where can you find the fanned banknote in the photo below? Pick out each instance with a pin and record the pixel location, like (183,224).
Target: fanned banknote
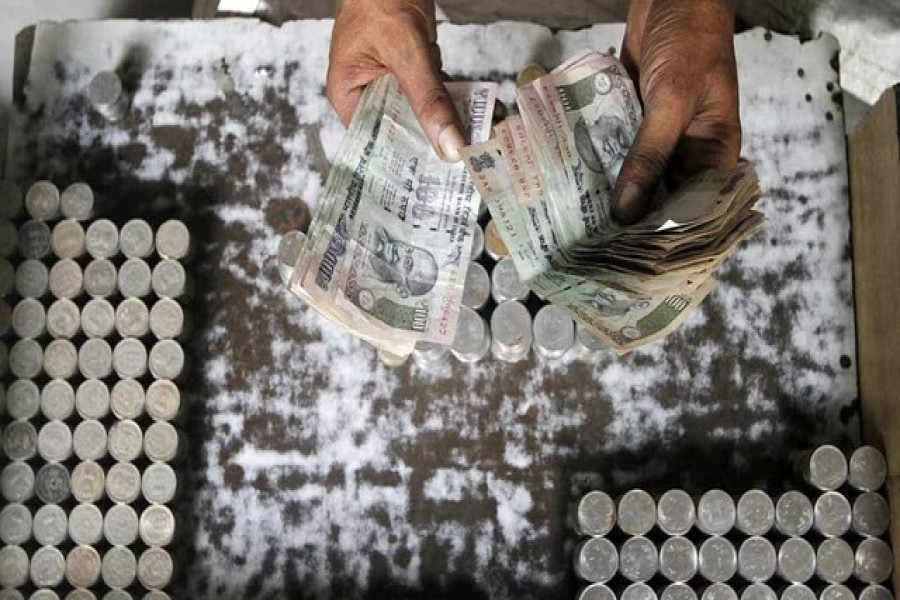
(387,252)
(547,177)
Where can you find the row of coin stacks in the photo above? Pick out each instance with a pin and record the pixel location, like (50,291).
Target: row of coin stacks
(500,317)
(825,541)
(93,322)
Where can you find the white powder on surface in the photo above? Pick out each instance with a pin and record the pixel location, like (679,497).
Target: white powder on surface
(321,465)
(513,504)
(451,485)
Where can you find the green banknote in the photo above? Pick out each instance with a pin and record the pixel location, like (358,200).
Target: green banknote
(387,252)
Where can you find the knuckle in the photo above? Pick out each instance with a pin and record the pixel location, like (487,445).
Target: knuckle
(727,133)
(731,136)
(675,103)
(733,131)
(647,162)
(432,102)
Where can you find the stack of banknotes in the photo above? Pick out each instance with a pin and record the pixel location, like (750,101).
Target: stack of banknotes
(386,254)
(547,177)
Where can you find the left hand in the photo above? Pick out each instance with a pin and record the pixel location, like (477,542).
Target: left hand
(681,55)
(374,37)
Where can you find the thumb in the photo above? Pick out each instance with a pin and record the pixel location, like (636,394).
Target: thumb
(344,87)
(420,80)
(646,162)
(345,104)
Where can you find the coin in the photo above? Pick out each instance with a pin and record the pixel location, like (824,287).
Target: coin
(100,278)
(60,359)
(173,240)
(159,483)
(119,567)
(15,524)
(13,566)
(48,567)
(493,243)
(20,440)
(66,279)
(83,566)
(132,318)
(98,318)
(50,525)
(102,239)
(130,358)
(163,400)
(123,483)
(134,278)
(89,440)
(127,399)
(157,526)
(95,359)
(67,239)
(136,239)
(52,483)
(529,74)
(63,319)
(88,481)
(55,441)
(120,526)
(77,201)
(42,200)
(125,440)
(155,568)
(86,524)
(92,399)
(17,481)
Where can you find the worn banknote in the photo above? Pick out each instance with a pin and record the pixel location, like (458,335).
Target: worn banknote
(387,251)
(547,178)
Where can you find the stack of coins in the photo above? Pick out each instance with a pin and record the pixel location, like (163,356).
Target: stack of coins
(107,95)
(92,363)
(288,253)
(825,541)
(512,324)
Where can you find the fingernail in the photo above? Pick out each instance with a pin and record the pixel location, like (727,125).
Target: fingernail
(451,142)
(628,205)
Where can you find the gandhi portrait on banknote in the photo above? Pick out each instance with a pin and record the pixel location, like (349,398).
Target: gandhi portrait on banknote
(602,143)
(610,304)
(412,270)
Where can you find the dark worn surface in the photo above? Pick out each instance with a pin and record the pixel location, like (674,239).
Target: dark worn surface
(316,472)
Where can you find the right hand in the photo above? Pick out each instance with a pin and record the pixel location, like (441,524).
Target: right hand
(680,54)
(374,37)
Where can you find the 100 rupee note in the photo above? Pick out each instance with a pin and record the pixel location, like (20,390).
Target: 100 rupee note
(387,252)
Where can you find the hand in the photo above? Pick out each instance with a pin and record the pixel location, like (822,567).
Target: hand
(374,37)
(681,54)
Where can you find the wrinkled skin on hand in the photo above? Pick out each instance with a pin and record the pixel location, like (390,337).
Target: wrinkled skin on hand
(680,54)
(374,37)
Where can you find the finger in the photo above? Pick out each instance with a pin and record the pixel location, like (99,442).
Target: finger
(421,82)
(345,84)
(434,52)
(712,140)
(696,154)
(629,61)
(647,159)
(425,14)
(345,104)
(342,92)
(634,33)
